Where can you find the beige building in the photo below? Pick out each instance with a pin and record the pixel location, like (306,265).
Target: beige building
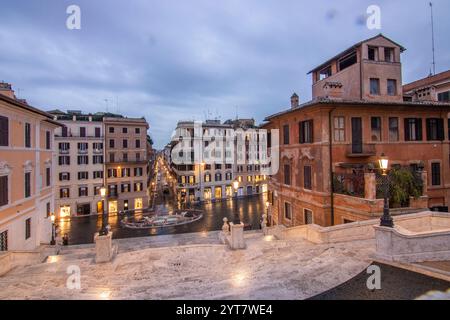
(27,167)
(204,181)
(433,88)
(79,146)
(126,163)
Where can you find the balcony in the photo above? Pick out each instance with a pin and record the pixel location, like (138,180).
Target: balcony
(361,151)
(64,151)
(98,151)
(82,151)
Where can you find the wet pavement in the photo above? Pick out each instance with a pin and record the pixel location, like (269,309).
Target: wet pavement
(396,284)
(81,230)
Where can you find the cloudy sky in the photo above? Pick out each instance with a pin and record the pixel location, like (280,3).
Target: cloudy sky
(171,60)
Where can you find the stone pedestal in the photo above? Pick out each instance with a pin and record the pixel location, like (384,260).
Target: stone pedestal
(103,248)
(237,236)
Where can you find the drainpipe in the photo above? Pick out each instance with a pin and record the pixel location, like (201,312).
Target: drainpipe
(330,150)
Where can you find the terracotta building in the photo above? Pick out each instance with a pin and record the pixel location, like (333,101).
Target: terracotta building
(27,167)
(329,146)
(126,163)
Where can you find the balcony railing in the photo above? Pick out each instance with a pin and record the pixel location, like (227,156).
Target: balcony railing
(64,151)
(98,151)
(361,151)
(80,151)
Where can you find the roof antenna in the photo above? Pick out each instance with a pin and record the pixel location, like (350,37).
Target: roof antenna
(432,38)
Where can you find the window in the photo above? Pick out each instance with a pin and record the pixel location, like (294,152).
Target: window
(138,156)
(111,157)
(82,132)
(309,218)
(48,180)
(111,129)
(138,172)
(218,177)
(64,147)
(325,73)
(83,147)
(97,159)
(27,184)
(125,143)
(373,54)
(64,176)
(125,157)
(287,174)
(83,160)
(286,134)
(374,86)
(207,178)
(64,193)
(348,61)
(389,54)
(64,160)
(125,187)
(339,129)
(138,143)
(28,229)
(4,241)
(112,173)
(375,123)
(4,131)
(27,135)
(413,129)
(436,174)
(83,192)
(98,174)
(392,87)
(64,131)
(137,130)
(97,146)
(307,181)
(48,143)
(138,186)
(306,131)
(229,176)
(191,180)
(4,191)
(444,96)
(435,129)
(287,211)
(97,132)
(124,130)
(393,129)
(111,143)
(83,175)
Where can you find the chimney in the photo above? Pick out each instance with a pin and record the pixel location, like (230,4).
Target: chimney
(294,101)
(333,90)
(6,90)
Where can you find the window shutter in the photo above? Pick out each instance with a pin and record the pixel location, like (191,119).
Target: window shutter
(407,135)
(440,129)
(311,131)
(4,131)
(419,128)
(3,191)
(429,130)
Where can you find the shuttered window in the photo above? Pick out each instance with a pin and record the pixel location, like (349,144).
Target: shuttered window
(3,191)
(27,185)
(413,129)
(27,135)
(435,129)
(4,131)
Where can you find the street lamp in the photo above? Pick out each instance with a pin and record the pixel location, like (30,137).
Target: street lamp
(104,229)
(53,241)
(386,219)
(267,209)
(236,220)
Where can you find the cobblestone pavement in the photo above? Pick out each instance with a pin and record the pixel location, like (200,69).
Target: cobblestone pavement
(267,269)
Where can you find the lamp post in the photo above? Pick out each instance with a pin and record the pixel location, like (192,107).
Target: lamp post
(236,219)
(104,229)
(386,219)
(53,241)
(267,209)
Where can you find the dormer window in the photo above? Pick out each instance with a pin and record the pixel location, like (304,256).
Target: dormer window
(373,54)
(325,73)
(348,61)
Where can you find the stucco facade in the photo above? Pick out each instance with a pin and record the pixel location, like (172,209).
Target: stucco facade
(27,166)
